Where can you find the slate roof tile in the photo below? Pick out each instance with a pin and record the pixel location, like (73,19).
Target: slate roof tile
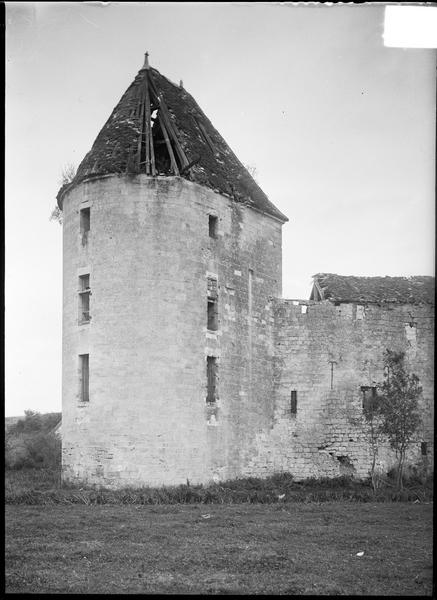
(402,290)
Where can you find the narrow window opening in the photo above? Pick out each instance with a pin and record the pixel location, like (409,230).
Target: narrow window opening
(212,305)
(424,448)
(332,363)
(211,377)
(369,397)
(293,402)
(213,224)
(85,224)
(84,299)
(212,315)
(84,376)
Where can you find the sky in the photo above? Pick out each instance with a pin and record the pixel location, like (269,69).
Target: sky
(339,128)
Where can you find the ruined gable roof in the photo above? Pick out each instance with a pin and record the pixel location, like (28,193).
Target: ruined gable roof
(402,290)
(157,128)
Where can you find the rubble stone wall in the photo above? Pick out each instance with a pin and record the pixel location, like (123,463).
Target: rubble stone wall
(326,353)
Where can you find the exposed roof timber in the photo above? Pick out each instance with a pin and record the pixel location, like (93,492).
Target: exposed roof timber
(169,148)
(148,128)
(317,292)
(171,128)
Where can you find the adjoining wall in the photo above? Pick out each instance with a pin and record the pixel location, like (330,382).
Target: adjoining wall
(149,256)
(317,341)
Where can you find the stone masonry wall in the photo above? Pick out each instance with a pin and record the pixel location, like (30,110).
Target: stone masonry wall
(325,437)
(149,256)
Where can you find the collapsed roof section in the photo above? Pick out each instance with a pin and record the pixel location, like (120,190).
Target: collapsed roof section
(157,128)
(401,290)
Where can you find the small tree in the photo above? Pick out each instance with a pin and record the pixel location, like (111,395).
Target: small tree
(252,170)
(56,215)
(399,409)
(30,423)
(67,175)
(372,417)
(368,422)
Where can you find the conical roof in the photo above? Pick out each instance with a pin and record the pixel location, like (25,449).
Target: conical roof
(158,128)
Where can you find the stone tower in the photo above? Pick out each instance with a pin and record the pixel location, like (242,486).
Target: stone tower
(171,256)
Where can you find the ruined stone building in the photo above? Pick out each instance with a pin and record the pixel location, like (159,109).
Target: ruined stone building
(180,359)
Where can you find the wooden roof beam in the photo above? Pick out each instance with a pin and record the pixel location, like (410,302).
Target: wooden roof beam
(169,125)
(168,144)
(147,122)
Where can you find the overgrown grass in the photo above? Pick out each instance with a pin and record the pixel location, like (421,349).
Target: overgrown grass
(25,480)
(42,486)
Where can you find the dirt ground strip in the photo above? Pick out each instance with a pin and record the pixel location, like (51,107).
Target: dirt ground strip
(328,548)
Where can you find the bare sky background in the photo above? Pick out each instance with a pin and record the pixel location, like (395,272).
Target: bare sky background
(339,128)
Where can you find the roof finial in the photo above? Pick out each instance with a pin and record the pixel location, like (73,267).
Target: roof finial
(146,61)
(181,84)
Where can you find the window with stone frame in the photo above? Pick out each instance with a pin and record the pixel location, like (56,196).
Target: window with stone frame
(212,304)
(369,396)
(84,299)
(85,224)
(84,378)
(212,225)
(293,402)
(211,378)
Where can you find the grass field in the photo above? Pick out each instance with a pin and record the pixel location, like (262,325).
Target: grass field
(291,548)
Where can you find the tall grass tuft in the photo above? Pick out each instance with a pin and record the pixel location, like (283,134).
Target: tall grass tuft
(42,487)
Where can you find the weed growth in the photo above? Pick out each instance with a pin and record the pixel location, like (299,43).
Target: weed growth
(24,487)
